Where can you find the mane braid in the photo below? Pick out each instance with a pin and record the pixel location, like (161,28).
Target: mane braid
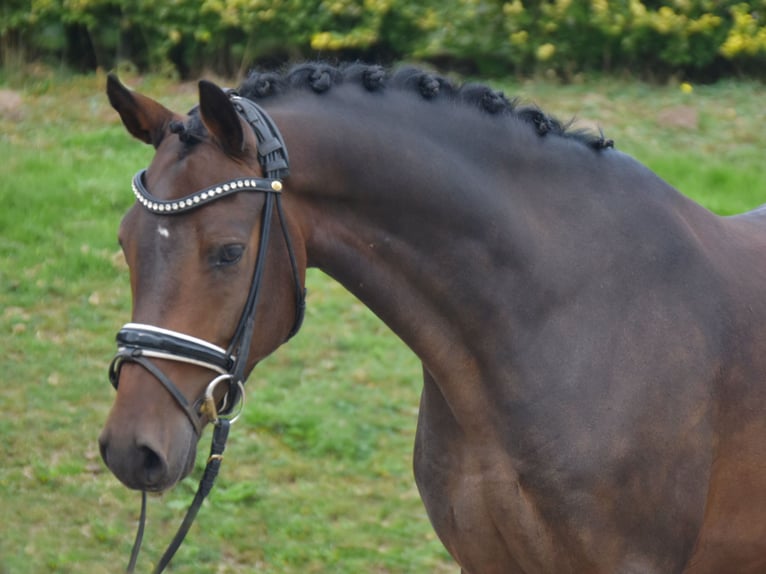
(320,78)
(190,133)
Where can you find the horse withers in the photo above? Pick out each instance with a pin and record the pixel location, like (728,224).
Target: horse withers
(593,342)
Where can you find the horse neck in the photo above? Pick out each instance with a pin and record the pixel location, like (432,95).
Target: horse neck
(430,231)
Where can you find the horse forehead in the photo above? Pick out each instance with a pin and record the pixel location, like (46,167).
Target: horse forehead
(155,243)
(180,168)
(159,238)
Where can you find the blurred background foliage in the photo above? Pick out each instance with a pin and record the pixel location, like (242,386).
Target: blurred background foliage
(700,40)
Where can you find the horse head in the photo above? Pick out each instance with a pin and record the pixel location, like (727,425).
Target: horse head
(202,251)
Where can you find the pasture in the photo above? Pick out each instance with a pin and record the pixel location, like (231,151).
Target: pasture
(318,475)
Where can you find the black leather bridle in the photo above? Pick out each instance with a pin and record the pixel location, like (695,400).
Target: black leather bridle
(141,343)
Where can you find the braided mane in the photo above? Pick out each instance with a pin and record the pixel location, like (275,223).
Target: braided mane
(321,78)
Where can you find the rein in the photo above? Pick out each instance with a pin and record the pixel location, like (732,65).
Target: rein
(140,343)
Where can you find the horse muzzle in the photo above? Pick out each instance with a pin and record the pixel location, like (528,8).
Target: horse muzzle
(146,442)
(142,454)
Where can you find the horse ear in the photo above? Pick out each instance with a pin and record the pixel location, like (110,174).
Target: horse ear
(144,118)
(220,118)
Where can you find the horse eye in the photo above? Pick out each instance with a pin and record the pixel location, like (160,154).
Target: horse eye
(230,254)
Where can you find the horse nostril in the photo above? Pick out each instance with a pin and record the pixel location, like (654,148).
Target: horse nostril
(155,466)
(137,464)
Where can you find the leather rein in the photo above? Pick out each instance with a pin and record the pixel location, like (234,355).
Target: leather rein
(140,343)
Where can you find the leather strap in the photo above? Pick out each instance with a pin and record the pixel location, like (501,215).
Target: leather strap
(136,356)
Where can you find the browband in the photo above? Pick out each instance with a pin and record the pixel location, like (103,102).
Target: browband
(184,204)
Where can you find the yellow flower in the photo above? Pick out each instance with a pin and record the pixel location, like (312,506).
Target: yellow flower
(519,38)
(637,9)
(687,88)
(733,45)
(563,5)
(545,51)
(514,8)
(322,41)
(601,7)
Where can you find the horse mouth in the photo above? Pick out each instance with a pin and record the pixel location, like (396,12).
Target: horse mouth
(139,465)
(169,480)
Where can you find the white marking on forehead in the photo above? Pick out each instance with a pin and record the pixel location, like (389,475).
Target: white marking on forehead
(163,231)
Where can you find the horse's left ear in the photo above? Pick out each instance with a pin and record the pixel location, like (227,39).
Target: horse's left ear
(144,118)
(220,118)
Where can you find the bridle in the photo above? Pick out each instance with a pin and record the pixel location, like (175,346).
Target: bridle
(141,343)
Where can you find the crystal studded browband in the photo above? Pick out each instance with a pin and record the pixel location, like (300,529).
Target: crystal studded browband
(200,198)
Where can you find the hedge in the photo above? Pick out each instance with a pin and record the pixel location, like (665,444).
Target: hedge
(699,39)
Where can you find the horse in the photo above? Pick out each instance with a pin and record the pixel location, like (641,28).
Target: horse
(593,342)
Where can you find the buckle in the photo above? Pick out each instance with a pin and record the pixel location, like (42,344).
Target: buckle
(209,407)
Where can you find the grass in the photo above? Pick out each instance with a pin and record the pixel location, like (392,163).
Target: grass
(318,474)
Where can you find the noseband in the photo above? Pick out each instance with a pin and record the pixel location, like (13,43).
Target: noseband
(141,343)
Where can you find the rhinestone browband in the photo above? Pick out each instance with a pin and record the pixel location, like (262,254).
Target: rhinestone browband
(165,206)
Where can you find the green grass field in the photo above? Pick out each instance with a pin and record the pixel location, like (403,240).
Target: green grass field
(318,474)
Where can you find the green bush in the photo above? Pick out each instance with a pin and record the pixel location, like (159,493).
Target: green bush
(702,39)
(686,37)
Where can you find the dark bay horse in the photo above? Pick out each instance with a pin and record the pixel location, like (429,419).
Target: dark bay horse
(593,342)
